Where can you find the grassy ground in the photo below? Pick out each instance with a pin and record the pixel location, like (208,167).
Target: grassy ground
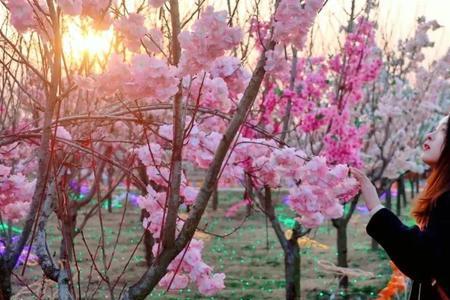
(251,258)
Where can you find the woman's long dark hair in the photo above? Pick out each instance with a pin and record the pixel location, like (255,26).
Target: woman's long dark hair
(437,183)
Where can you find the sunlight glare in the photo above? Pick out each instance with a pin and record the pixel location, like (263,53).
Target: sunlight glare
(79,41)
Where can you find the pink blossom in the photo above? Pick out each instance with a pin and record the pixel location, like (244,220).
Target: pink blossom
(210,38)
(276,62)
(315,169)
(303,199)
(71,7)
(347,189)
(98,11)
(15,211)
(156,3)
(159,175)
(85,83)
(337,173)
(154,40)
(334,211)
(292,21)
(210,285)
(311,220)
(4,170)
(190,194)
(132,29)
(16,193)
(22,15)
(151,78)
(266,173)
(151,154)
(166,131)
(207,146)
(190,266)
(288,161)
(229,69)
(94,8)
(233,209)
(113,79)
(212,93)
(180,281)
(261,32)
(61,132)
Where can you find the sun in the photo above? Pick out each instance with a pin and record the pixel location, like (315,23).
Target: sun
(80,39)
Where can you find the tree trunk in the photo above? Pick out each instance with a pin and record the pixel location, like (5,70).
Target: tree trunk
(155,273)
(342,250)
(388,198)
(403,191)
(411,183)
(110,205)
(374,245)
(399,198)
(292,269)
(68,232)
(215,199)
(148,241)
(5,281)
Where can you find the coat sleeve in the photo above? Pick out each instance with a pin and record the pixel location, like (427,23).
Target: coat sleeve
(420,255)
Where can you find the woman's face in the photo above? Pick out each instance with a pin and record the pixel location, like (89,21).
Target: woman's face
(434,143)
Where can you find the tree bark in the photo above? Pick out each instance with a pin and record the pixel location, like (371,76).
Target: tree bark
(398,208)
(215,199)
(291,249)
(417,184)
(341,239)
(403,192)
(5,281)
(342,252)
(68,223)
(374,245)
(173,196)
(292,261)
(148,241)
(388,197)
(153,275)
(341,236)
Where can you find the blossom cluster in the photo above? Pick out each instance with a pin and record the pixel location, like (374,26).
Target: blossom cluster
(188,266)
(16,192)
(267,165)
(25,15)
(145,77)
(209,39)
(293,20)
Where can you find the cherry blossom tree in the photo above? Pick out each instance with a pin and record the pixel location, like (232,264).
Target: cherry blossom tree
(186,86)
(175,90)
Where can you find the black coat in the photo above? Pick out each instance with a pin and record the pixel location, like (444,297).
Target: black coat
(420,255)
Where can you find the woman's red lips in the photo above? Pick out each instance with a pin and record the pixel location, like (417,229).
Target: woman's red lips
(426,147)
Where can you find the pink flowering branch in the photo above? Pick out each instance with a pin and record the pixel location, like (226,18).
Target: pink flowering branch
(154,274)
(173,200)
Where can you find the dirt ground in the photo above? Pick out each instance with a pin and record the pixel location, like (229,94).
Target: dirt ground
(251,258)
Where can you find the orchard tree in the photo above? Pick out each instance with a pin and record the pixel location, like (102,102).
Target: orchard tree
(164,95)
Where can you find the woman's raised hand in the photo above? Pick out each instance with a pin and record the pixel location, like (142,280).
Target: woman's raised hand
(368,190)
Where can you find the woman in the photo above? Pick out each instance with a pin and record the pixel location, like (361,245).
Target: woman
(421,252)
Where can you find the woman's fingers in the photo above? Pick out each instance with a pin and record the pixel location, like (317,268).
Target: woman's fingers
(357,173)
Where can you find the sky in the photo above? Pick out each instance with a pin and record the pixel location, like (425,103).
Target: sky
(396,19)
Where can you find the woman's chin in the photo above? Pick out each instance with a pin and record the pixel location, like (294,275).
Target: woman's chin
(427,161)
(424,158)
